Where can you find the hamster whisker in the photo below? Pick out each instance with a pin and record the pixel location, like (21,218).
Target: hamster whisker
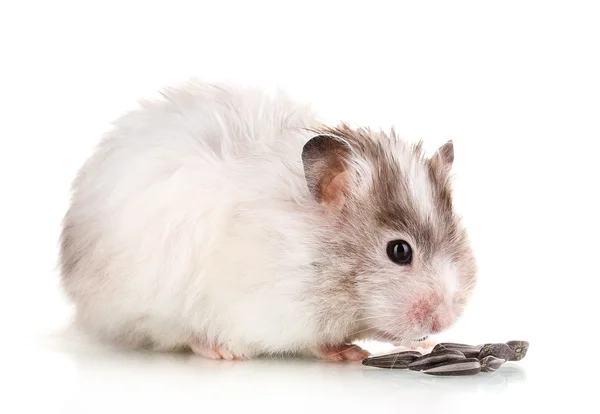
(376,327)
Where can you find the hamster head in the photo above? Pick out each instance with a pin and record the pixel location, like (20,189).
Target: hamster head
(394,246)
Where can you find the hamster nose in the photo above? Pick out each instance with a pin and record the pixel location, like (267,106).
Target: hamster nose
(438,324)
(421,310)
(430,315)
(441,320)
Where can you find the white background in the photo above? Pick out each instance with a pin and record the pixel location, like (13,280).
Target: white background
(516,85)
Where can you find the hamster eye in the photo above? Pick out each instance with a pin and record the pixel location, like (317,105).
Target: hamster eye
(399,252)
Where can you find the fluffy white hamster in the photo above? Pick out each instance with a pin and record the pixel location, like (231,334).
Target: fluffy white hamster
(233,223)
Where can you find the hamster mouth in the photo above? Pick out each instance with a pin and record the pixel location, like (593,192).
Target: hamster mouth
(394,338)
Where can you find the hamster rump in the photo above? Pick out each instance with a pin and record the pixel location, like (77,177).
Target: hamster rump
(179,221)
(235,223)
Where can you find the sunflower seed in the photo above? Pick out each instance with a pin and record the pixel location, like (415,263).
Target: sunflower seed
(466,366)
(433,359)
(499,350)
(399,360)
(456,345)
(519,348)
(469,351)
(490,363)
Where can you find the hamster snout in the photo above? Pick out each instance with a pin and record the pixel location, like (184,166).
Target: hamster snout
(431,314)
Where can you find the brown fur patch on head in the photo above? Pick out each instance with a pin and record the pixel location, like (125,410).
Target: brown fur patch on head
(391,163)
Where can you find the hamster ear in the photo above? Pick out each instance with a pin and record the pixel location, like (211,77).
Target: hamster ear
(326,168)
(444,156)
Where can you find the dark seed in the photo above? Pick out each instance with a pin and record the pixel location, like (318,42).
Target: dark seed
(403,354)
(456,345)
(399,360)
(519,348)
(468,351)
(490,363)
(466,366)
(433,359)
(501,351)
(438,347)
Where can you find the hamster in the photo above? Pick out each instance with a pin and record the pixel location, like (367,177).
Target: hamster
(233,223)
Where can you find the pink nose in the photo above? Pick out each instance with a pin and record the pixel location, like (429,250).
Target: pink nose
(430,315)
(437,325)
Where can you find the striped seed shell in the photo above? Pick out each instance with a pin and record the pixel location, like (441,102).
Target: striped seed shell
(468,351)
(466,366)
(490,363)
(398,360)
(433,359)
(457,345)
(519,348)
(499,350)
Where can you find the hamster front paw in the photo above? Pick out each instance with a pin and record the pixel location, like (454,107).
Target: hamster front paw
(343,352)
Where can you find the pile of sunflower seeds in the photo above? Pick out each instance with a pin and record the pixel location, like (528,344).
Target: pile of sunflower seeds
(453,359)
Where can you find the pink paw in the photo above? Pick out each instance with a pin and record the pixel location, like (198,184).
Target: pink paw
(214,352)
(345,352)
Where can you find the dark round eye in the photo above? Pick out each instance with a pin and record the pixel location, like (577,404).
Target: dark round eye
(399,252)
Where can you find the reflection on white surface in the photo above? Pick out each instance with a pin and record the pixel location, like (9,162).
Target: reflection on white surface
(77,378)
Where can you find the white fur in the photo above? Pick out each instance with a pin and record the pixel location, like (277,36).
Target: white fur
(176,247)
(418,181)
(449,277)
(193,222)
(420,189)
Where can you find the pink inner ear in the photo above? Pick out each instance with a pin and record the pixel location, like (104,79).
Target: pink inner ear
(336,191)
